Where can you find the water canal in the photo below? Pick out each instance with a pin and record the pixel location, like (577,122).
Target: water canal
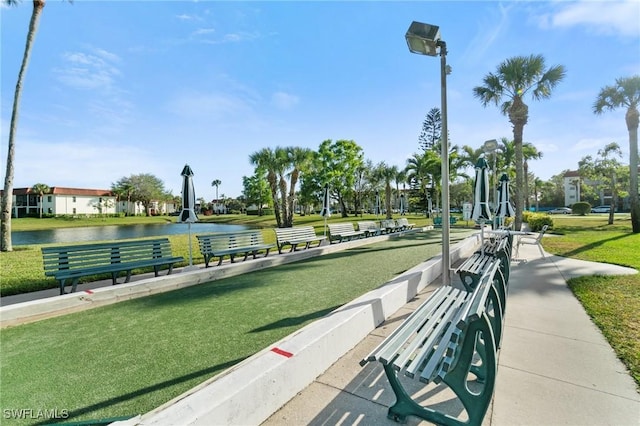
(115,232)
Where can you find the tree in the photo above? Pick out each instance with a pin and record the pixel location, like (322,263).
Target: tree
(431,129)
(515,77)
(626,93)
(337,164)
(421,170)
(40,189)
(529,152)
(216,183)
(299,159)
(266,161)
(7,195)
(143,188)
(604,171)
(386,174)
(256,189)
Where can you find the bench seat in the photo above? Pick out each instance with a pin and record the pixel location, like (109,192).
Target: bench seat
(74,262)
(404,223)
(390,225)
(232,244)
(297,236)
(369,227)
(343,232)
(453,333)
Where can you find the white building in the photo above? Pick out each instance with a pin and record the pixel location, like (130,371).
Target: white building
(63,201)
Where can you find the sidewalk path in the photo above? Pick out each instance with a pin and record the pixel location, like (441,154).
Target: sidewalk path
(555,366)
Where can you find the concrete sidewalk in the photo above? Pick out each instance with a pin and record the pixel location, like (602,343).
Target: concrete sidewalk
(555,367)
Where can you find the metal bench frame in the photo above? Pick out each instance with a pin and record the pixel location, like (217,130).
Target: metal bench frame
(77,261)
(296,236)
(441,342)
(231,244)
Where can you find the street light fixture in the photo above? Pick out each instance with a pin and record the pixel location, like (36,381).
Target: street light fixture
(424,39)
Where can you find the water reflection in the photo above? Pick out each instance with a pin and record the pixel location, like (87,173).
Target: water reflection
(115,232)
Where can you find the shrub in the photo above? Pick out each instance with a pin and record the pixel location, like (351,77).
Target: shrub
(581,208)
(537,220)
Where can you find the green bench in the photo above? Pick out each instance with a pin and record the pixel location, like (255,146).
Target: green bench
(232,244)
(403,222)
(297,236)
(343,232)
(389,226)
(437,221)
(472,268)
(452,334)
(74,262)
(369,227)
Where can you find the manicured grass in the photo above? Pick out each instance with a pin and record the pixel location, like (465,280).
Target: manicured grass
(130,357)
(612,302)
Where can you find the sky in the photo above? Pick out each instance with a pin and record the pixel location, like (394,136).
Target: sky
(116,88)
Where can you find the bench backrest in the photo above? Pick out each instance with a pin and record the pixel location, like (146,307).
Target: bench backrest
(403,221)
(368,224)
(227,240)
(337,228)
(92,255)
(388,223)
(294,233)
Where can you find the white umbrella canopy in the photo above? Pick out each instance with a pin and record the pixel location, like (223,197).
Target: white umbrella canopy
(481,211)
(505,208)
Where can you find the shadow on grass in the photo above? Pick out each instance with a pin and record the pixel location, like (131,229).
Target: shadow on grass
(591,246)
(207,372)
(295,321)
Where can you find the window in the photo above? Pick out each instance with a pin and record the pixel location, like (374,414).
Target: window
(73,200)
(49,198)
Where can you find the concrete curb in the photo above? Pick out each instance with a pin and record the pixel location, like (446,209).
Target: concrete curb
(36,310)
(254,389)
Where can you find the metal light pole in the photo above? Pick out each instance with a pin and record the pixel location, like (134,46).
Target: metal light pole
(424,39)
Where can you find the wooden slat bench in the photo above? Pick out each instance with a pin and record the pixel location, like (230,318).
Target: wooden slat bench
(77,261)
(369,227)
(441,342)
(343,232)
(232,244)
(297,236)
(389,225)
(404,223)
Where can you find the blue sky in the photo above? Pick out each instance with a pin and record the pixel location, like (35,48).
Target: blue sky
(123,87)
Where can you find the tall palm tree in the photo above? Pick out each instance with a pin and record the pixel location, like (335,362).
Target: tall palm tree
(41,189)
(387,174)
(7,195)
(529,152)
(265,159)
(626,93)
(216,183)
(422,169)
(298,159)
(515,77)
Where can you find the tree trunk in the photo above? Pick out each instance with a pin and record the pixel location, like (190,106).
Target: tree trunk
(7,195)
(632,120)
(518,114)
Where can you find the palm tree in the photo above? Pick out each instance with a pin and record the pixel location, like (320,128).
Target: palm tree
(7,195)
(529,152)
(216,183)
(386,174)
(515,77)
(266,159)
(626,93)
(40,189)
(422,169)
(299,159)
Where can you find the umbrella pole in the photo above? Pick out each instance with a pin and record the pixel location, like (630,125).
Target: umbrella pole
(482,237)
(325,225)
(190,255)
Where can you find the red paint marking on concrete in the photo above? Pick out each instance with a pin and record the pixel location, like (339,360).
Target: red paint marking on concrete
(88,291)
(281,352)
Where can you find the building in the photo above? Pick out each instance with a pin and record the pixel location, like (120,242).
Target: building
(61,201)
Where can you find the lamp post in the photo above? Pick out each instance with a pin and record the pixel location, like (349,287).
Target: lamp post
(424,39)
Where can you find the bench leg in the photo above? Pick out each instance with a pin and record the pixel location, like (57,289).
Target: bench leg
(62,282)
(74,284)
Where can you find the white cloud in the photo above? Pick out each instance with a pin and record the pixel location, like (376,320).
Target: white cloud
(282,100)
(92,70)
(600,17)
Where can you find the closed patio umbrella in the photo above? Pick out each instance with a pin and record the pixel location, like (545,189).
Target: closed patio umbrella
(326,208)
(481,211)
(188,213)
(505,208)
